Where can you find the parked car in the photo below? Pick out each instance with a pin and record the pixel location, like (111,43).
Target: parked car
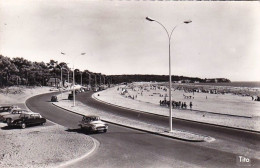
(7,108)
(54,99)
(77,91)
(8,112)
(13,115)
(95,89)
(70,97)
(93,124)
(27,119)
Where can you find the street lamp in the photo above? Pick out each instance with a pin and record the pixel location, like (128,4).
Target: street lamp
(100,80)
(60,78)
(68,74)
(74,101)
(89,78)
(80,78)
(104,79)
(95,82)
(170,76)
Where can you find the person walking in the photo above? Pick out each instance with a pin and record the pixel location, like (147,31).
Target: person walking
(190,105)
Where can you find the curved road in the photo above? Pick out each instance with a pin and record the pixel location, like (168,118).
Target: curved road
(123,147)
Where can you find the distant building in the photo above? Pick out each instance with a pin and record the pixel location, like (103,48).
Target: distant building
(187,81)
(53,82)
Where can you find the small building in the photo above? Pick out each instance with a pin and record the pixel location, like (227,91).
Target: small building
(54,82)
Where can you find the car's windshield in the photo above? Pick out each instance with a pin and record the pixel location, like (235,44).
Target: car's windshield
(94,119)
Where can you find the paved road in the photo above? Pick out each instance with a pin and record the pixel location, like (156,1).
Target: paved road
(243,138)
(123,147)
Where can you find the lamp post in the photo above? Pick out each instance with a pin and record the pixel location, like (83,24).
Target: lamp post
(68,74)
(95,80)
(74,101)
(60,78)
(89,78)
(104,79)
(170,76)
(80,78)
(100,80)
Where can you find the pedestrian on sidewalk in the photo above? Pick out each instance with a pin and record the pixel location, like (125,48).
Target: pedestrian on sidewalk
(190,105)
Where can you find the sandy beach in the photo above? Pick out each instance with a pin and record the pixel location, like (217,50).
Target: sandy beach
(143,97)
(229,103)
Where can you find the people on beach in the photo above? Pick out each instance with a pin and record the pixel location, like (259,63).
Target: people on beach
(175,104)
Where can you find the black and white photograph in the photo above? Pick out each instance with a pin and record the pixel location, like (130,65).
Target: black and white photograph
(129,84)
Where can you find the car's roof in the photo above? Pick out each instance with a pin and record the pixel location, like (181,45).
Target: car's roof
(90,116)
(21,109)
(31,113)
(9,106)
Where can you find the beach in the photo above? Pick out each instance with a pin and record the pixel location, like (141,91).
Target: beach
(229,109)
(231,102)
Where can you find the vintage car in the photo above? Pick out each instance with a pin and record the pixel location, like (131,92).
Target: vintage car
(54,99)
(7,108)
(8,112)
(93,124)
(27,119)
(13,115)
(70,97)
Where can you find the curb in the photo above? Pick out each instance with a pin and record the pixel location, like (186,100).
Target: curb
(240,129)
(66,163)
(155,133)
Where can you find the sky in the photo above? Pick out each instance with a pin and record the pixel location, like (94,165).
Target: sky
(223,39)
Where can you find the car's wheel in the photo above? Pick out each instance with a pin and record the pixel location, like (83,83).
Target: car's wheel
(23,125)
(81,128)
(8,120)
(43,123)
(105,130)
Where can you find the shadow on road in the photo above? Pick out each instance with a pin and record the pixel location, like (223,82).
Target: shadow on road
(9,128)
(17,127)
(78,130)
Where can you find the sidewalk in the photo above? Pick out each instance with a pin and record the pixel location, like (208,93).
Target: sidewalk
(112,96)
(82,109)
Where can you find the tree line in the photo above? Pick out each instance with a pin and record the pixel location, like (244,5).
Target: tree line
(19,71)
(164,78)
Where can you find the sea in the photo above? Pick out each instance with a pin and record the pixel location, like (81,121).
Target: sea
(255,85)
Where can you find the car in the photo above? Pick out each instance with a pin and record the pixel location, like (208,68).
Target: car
(93,124)
(54,99)
(70,97)
(82,89)
(8,112)
(7,108)
(27,119)
(77,91)
(13,115)
(95,89)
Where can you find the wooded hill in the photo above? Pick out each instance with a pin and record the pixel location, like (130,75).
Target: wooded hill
(19,71)
(164,78)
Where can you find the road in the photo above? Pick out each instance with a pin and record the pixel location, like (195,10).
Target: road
(124,147)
